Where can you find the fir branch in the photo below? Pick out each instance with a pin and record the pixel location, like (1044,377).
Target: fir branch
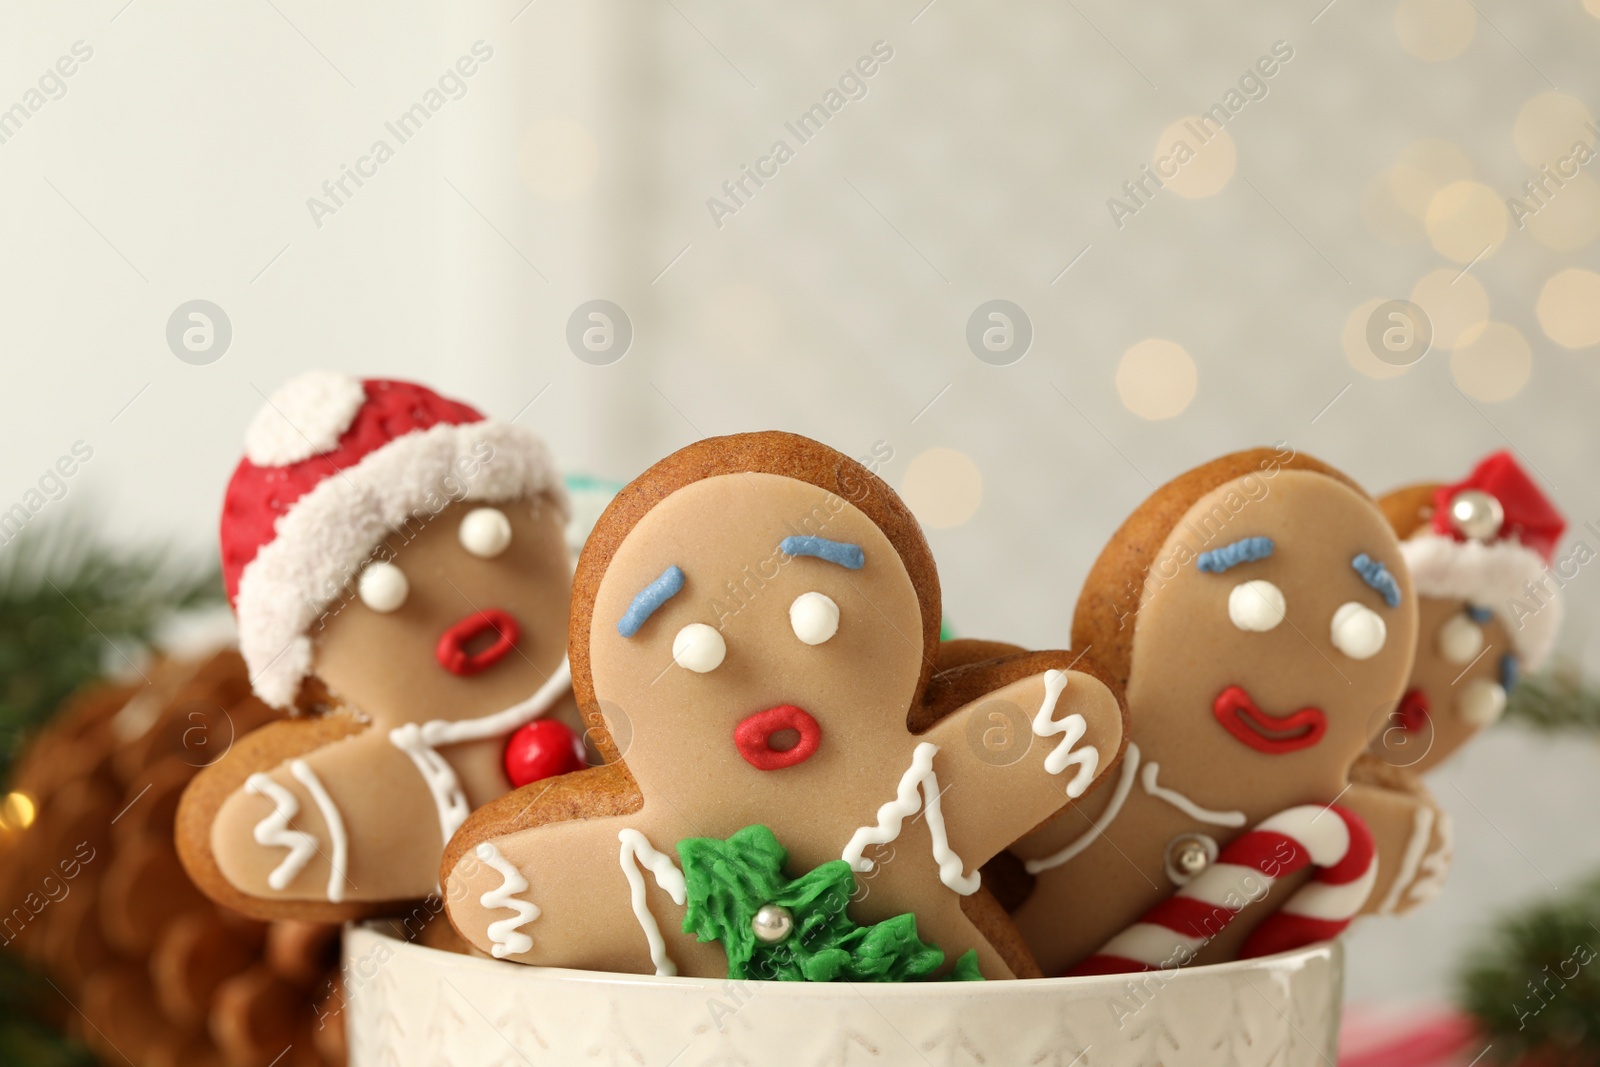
(69,605)
(1534,983)
(29,1022)
(1555,700)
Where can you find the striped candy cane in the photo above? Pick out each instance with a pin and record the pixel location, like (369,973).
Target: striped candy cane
(1332,839)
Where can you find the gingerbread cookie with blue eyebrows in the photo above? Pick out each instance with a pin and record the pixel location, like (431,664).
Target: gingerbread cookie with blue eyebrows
(1482,556)
(1259,613)
(753,635)
(1482,553)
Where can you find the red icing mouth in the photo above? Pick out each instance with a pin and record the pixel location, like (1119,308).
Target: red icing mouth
(1415,711)
(1275,736)
(452,651)
(753,737)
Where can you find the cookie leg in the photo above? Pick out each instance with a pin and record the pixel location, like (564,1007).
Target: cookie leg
(520,896)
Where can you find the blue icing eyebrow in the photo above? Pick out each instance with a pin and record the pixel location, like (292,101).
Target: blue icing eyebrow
(1378,577)
(1510,671)
(649,599)
(1481,616)
(845,555)
(1247,551)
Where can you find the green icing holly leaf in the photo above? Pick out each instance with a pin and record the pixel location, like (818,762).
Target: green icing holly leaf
(729,881)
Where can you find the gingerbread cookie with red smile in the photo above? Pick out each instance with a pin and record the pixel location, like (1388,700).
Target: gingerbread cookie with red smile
(795,792)
(1480,553)
(1261,617)
(397,565)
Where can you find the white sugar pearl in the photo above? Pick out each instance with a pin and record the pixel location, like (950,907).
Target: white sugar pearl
(1481,701)
(1460,639)
(699,648)
(815,617)
(1358,631)
(383,587)
(1256,606)
(485,532)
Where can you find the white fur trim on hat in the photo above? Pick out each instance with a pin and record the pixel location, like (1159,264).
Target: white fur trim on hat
(304,417)
(1491,575)
(320,545)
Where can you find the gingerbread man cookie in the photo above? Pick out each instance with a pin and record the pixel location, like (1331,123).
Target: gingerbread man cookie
(753,631)
(1259,613)
(1480,553)
(397,565)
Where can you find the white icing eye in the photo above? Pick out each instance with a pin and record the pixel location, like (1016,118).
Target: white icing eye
(815,617)
(485,532)
(1481,701)
(383,587)
(1460,640)
(1358,631)
(699,648)
(1256,606)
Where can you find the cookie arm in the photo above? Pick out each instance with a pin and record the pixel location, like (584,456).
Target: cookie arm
(1413,839)
(1016,757)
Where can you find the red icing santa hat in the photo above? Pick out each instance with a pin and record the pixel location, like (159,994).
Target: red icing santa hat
(1489,537)
(332,466)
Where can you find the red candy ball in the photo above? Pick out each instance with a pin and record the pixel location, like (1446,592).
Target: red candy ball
(543,748)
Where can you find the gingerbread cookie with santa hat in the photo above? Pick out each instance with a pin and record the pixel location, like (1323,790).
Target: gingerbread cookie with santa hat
(1480,554)
(795,792)
(1260,615)
(397,565)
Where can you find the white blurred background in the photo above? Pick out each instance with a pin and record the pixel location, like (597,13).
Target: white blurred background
(976,163)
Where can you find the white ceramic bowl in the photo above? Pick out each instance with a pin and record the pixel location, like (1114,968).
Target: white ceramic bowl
(409,1005)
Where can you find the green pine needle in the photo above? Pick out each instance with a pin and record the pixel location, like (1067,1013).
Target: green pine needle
(30,1014)
(1534,983)
(1555,700)
(68,604)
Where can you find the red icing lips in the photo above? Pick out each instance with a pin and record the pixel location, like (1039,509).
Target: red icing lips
(452,651)
(753,738)
(1414,711)
(1275,736)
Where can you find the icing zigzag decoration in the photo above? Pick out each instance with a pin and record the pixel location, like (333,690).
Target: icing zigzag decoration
(904,805)
(509,940)
(274,832)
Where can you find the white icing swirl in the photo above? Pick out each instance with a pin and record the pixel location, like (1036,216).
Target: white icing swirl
(273,831)
(892,816)
(637,847)
(506,934)
(331,818)
(1072,728)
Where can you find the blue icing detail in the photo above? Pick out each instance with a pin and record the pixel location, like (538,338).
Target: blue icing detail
(1247,551)
(845,555)
(649,599)
(1377,575)
(1481,616)
(1510,671)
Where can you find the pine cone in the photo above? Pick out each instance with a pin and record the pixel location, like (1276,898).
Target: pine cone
(157,974)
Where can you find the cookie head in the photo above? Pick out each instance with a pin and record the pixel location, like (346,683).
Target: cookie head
(465,610)
(395,543)
(757,618)
(1479,552)
(1274,622)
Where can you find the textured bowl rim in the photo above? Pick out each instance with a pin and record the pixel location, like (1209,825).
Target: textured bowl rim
(1331,952)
